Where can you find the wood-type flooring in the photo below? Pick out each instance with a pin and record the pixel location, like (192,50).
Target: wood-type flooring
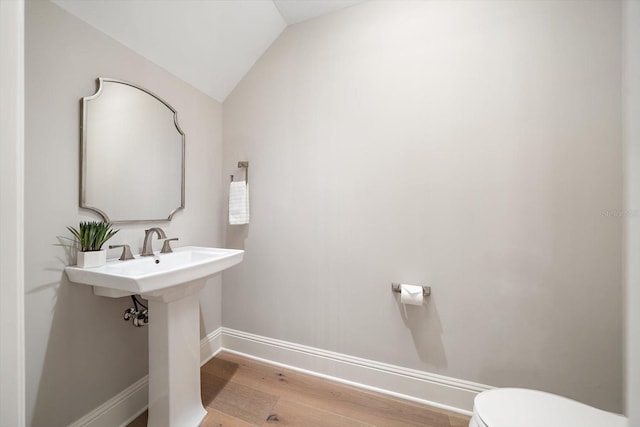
(242,392)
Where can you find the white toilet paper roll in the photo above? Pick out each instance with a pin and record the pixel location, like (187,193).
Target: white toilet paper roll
(411,294)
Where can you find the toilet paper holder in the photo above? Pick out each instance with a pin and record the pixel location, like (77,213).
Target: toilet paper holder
(397,287)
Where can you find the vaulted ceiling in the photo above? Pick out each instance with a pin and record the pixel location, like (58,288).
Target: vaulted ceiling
(210,44)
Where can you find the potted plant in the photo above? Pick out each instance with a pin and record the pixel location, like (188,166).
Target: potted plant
(90,237)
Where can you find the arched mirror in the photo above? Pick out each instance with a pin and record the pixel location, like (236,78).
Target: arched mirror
(132,155)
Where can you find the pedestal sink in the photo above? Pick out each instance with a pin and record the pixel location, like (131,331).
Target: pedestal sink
(171,283)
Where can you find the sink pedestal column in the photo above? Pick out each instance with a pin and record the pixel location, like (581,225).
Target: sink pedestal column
(174,357)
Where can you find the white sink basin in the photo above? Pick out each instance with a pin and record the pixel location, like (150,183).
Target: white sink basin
(152,275)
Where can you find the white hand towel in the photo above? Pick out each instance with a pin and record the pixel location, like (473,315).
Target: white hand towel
(239,203)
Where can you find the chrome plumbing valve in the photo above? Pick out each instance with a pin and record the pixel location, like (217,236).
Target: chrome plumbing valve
(140,318)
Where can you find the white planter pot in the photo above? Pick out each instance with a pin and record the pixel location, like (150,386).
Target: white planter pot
(92,258)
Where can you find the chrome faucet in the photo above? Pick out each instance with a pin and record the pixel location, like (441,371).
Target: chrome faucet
(147,248)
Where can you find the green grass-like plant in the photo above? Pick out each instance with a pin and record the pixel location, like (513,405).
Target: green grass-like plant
(92,235)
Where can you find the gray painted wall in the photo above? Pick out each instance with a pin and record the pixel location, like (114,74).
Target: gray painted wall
(79,351)
(631,25)
(474,146)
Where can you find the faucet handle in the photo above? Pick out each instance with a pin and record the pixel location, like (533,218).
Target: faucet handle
(166,246)
(126,252)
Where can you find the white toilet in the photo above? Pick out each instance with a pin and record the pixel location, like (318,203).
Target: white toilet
(518,407)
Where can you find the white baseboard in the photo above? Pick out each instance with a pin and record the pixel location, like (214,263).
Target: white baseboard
(210,346)
(418,386)
(120,409)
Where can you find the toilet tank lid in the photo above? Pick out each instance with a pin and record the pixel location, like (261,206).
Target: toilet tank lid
(517,407)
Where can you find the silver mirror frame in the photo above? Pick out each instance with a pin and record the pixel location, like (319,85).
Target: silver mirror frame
(83,150)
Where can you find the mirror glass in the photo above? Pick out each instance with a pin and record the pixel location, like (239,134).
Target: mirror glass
(132,154)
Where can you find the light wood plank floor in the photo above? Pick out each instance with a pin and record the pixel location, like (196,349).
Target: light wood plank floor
(241,392)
